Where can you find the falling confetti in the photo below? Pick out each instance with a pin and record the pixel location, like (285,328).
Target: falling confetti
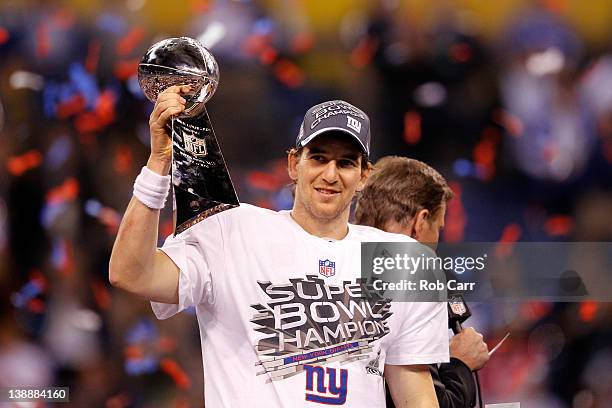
(412,127)
(510,235)
(17,165)
(456,219)
(4,35)
(172,368)
(288,73)
(128,43)
(559,225)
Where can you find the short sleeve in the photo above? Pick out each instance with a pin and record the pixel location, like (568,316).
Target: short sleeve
(198,253)
(422,337)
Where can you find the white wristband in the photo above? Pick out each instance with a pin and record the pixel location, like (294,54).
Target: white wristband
(151,189)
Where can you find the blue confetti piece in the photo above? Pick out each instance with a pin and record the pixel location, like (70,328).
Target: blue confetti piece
(145,365)
(93,207)
(112,23)
(463,168)
(142,331)
(50,212)
(263,26)
(85,84)
(58,253)
(29,291)
(58,152)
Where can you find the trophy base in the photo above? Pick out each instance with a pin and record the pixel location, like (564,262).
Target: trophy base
(191,209)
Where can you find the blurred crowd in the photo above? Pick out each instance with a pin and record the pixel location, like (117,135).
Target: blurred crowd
(516,113)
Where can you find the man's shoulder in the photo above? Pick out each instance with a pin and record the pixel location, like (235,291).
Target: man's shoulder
(249,213)
(371,234)
(245,209)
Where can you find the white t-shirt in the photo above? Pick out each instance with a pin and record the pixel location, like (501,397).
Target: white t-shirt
(283,320)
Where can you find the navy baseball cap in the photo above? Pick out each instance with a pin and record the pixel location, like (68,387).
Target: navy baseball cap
(335,116)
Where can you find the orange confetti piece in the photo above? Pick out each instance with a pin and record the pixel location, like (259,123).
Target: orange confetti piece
(513,125)
(133,352)
(535,310)
(36,306)
(40,279)
(166,344)
(127,44)
(587,311)
(64,19)
(43,44)
(302,42)
(484,154)
(363,53)
(4,35)
(171,367)
(93,56)
(118,401)
(101,295)
(17,165)
(412,127)
(102,116)
(125,69)
(110,219)
(456,219)
(509,236)
(67,266)
(268,55)
(255,44)
(199,6)
(559,225)
(67,191)
(166,228)
(72,106)
(264,181)
(461,52)
(289,73)
(556,6)
(123,159)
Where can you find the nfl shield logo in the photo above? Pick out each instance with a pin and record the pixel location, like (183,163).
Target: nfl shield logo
(327,268)
(195,145)
(457,307)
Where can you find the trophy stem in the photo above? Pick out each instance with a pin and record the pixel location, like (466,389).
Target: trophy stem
(201,181)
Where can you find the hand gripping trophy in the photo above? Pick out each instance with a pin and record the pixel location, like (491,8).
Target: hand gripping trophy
(202,185)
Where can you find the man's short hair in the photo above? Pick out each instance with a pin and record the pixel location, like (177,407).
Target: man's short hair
(397,189)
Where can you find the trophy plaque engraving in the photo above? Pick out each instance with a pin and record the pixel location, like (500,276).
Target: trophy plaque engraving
(201,182)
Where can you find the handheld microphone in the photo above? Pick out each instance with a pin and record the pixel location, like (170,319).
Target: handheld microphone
(458,312)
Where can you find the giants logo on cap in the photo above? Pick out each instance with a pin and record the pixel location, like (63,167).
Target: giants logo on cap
(353,124)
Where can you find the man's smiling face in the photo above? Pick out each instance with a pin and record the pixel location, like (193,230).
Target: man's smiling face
(327,174)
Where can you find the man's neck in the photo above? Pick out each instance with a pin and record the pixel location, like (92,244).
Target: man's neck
(336,228)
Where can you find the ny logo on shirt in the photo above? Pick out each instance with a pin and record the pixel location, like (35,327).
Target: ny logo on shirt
(328,390)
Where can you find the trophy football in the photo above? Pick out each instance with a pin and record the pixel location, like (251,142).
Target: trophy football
(201,183)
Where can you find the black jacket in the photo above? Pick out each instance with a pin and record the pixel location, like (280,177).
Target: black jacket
(454,384)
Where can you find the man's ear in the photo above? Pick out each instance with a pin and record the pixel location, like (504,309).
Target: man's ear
(292,161)
(420,219)
(364,177)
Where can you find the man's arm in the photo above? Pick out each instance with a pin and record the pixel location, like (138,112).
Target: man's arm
(136,264)
(411,386)
(454,384)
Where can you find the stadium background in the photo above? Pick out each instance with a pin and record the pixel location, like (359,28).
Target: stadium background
(510,100)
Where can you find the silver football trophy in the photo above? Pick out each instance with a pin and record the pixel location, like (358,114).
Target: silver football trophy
(202,185)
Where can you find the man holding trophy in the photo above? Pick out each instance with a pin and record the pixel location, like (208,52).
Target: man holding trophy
(284,318)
